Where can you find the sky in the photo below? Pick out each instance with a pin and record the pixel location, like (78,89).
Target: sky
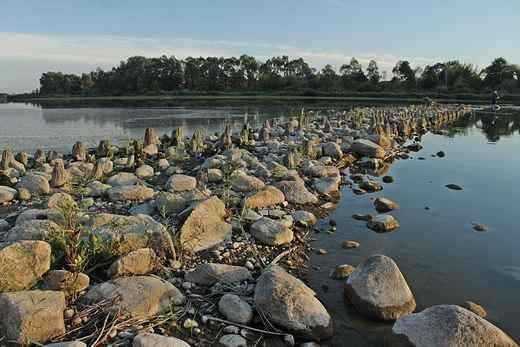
(79,36)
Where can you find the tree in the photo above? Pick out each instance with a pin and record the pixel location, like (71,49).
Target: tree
(404,73)
(373,73)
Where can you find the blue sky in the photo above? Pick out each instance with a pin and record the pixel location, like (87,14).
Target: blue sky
(75,36)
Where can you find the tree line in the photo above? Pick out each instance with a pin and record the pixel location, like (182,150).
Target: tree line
(140,75)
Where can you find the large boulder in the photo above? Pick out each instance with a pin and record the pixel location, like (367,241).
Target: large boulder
(31,315)
(160,295)
(445,325)
(378,289)
(367,148)
(22,263)
(289,304)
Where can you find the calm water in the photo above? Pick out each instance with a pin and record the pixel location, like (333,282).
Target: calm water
(444,260)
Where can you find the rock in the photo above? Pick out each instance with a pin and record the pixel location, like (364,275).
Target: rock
(35,184)
(62,280)
(349,244)
(384,205)
(378,289)
(204,228)
(367,148)
(269,196)
(59,200)
(180,183)
(144,171)
(155,340)
(382,223)
(138,262)
(304,218)
(32,230)
(144,208)
(31,315)
(128,233)
(22,263)
(380,140)
(476,309)
(453,186)
(445,325)
(170,203)
(271,232)
(296,192)
(328,186)
(371,186)
(4,225)
(122,179)
(341,272)
(59,176)
(246,183)
(160,295)
(7,194)
(479,227)
(232,340)
(388,179)
(235,309)
(66,344)
(133,193)
(331,149)
(365,217)
(289,304)
(210,274)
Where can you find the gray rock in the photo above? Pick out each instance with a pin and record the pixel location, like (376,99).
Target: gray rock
(331,149)
(246,183)
(271,232)
(4,225)
(35,184)
(380,140)
(144,208)
(210,274)
(60,200)
(160,295)
(180,183)
(144,171)
(232,340)
(66,344)
(138,262)
(304,218)
(328,186)
(22,263)
(384,205)
(378,289)
(445,325)
(289,304)
(371,186)
(133,193)
(155,340)
(367,148)
(122,179)
(30,214)
(31,315)
(296,192)
(32,230)
(382,223)
(170,203)
(235,309)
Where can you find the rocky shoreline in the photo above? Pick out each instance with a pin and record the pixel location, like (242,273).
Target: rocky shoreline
(199,241)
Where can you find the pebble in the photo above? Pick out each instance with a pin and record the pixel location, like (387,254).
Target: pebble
(190,324)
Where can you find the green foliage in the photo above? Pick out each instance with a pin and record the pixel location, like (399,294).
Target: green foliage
(157,76)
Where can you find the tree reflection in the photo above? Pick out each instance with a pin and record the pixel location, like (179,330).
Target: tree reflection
(494,124)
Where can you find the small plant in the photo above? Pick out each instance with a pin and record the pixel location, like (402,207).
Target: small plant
(67,246)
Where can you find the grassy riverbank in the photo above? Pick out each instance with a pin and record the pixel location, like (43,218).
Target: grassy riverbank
(220,99)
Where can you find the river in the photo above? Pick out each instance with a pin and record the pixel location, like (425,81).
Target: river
(444,260)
